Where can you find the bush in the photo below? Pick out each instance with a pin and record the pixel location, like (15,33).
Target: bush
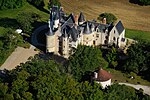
(109,17)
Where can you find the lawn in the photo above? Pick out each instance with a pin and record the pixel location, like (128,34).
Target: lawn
(137,34)
(118,76)
(12,13)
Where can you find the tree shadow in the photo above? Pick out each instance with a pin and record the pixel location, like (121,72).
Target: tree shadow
(9,23)
(136,2)
(40,6)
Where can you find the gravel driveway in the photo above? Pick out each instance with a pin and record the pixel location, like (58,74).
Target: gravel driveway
(20,55)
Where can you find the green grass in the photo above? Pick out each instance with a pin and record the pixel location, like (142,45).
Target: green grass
(137,34)
(12,13)
(118,76)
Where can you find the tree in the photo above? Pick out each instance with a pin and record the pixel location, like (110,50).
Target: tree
(54,3)
(40,79)
(112,57)
(26,19)
(109,17)
(86,59)
(138,57)
(145,2)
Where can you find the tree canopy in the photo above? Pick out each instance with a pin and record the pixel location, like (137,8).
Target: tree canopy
(145,2)
(85,59)
(44,79)
(54,3)
(138,58)
(109,17)
(26,20)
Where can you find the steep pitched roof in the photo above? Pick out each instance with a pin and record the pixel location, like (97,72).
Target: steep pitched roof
(103,75)
(71,19)
(74,33)
(87,29)
(119,26)
(81,18)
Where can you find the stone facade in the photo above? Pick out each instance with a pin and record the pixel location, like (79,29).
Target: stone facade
(66,32)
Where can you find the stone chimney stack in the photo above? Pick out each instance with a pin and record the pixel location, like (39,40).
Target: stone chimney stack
(76,19)
(104,21)
(95,74)
(62,8)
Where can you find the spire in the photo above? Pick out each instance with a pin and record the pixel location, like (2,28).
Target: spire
(87,29)
(81,18)
(50,32)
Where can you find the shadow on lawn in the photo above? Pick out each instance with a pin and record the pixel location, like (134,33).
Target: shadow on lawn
(9,23)
(39,6)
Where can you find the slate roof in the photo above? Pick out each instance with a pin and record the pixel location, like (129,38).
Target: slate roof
(87,29)
(50,32)
(74,33)
(119,26)
(81,18)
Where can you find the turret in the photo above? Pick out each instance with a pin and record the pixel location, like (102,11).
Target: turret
(55,16)
(50,39)
(87,29)
(81,19)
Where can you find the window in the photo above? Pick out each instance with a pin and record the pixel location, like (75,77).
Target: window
(114,31)
(87,38)
(106,37)
(86,42)
(114,38)
(97,35)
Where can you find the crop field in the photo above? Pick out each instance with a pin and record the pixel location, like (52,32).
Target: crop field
(132,15)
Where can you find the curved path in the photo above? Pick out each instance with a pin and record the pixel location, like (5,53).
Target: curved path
(146,89)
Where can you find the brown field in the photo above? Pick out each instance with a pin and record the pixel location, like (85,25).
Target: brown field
(133,16)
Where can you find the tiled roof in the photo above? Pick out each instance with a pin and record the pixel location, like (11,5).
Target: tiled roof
(103,75)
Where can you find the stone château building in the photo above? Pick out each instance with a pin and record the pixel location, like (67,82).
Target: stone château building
(66,32)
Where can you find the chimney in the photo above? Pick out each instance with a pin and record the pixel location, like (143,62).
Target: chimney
(104,21)
(62,8)
(95,74)
(76,19)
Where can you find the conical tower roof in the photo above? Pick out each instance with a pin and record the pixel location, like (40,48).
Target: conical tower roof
(50,31)
(87,29)
(81,18)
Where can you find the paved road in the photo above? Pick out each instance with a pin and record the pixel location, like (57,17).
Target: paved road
(145,88)
(20,55)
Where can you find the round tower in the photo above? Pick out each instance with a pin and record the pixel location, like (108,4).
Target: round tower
(88,36)
(50,40)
